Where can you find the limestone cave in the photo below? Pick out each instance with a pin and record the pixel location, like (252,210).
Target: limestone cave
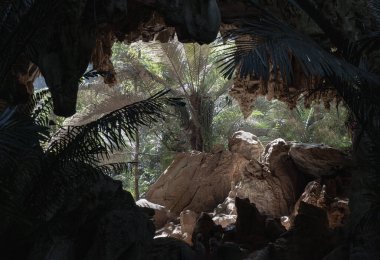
(189,129)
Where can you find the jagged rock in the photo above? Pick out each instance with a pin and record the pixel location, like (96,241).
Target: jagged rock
(273,228)
(228,206)
(161,214)
(183,230)
(89,38)
(318,159)
(188,220)
(338,213)
(96,221)
(246,144)
(274,151)
(224,220)
(337,209)
(170,249)
(273,193)
(285,221)
(309,238)
(196,181)
(206,230)
(273,185)
(250,225)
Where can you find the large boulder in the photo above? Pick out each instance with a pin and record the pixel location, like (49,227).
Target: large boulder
(197,181)
(318,159)
(96,220)
(274,185)
(247,144)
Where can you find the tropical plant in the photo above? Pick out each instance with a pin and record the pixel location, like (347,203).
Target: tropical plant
(142,68)
(69,158)
(191,69)
(269,49)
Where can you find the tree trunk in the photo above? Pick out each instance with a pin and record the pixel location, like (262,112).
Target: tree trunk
(136,167)
(201,122)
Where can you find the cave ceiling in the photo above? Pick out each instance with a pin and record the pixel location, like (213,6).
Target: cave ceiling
(60,39)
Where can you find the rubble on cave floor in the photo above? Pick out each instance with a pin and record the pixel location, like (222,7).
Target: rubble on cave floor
(255,203)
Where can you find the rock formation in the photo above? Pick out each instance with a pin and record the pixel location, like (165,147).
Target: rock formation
(270,212)
(96,219)
(196,181)
(274,184)
(63,38)
(160,214)
(318,160)
(246,144)
(201,181)
(319,196)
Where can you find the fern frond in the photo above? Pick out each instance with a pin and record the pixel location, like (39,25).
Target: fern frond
(96,140)
(113,169)
(265,42)
(43,107)
(17,133)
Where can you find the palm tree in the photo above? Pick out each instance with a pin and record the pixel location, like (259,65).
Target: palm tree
(40,173)
(190,70)
(286,62)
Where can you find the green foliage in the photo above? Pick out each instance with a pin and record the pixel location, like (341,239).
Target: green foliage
(191,71)
(95,140)
(71,158)
(273,119)
(309,125)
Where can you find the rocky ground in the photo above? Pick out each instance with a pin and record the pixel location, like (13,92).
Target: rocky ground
(285,201)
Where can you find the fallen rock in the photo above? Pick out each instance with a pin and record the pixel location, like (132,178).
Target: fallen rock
(337,209)
(274,151)
(228,206)
(188,220)
(273,193)
(97,220)
(250,225)
(247,144)
(197,181)
(273,185)
(309,238)
(161,214)
(224,220)
(318,159)
(205,231)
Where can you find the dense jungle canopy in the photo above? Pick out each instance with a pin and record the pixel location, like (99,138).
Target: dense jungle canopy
(54,188)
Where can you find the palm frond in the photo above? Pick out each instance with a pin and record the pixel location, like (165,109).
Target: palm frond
(265,42)
(20,159)
(43,107)
(374,8)
(173,55)
(93,73)
(96,140)
(16,134)
(113,169)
